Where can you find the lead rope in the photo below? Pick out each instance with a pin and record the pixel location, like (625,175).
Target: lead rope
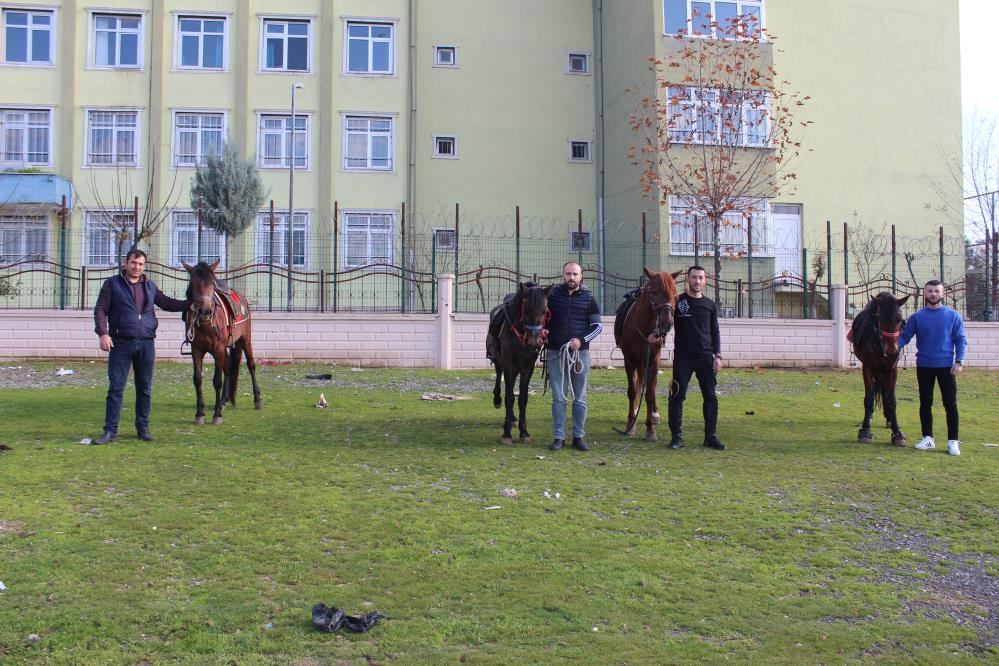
(568,364)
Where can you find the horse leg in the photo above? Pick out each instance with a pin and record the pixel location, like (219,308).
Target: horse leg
(198,356)
(525,382)
(497,400)
(509,377)
(651,409)
(221,358)
(865,435)
(251,365)
(897,436)
(634,400)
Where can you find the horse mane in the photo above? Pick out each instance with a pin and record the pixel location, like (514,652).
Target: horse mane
(534,299)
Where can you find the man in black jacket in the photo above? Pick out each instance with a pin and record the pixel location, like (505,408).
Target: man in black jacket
(697,351)
(126,323)
(574,322)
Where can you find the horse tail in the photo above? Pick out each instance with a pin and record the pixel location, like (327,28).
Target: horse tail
(235,357)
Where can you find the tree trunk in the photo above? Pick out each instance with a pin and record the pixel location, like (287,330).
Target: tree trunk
(716,237)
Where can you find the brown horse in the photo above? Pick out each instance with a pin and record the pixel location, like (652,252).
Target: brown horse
(874,334)
(650,314)
(215,328)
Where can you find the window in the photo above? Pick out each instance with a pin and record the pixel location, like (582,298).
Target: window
(28,36)
(299,239)
(580,241)
(718,117)
(733,229)
(27,137)
(23,239)
(579,151)
(694,17)
(578,63)
(370,48)
(367,143)
(201,42)
(445,56)
(108,236)
(368,239)
(112,138)
(275,141)
(286,45)
(185,240)
(117,40)
(196,136)
(445,147)
(444,239)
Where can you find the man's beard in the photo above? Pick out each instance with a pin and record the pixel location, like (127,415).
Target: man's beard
(933,300)
(571,284)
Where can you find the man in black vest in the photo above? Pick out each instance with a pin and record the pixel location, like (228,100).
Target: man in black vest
(574,322)
(126,323)
(697,351)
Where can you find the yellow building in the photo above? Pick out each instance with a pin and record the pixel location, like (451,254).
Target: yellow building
(408,107)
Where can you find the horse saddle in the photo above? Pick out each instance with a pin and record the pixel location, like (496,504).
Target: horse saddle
(234,308)
(499,317)
(621,314)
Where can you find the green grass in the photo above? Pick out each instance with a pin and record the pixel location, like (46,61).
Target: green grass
(797,545)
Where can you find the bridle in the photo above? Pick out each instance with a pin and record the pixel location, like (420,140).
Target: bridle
(200,318)
(659,310)
(537,329)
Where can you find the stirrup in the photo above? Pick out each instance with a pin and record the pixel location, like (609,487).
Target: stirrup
(186,343)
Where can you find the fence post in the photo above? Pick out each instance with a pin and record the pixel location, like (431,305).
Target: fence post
(135,225)
(837,307)
(645,262)
(402,262)
(804,283)
(749,266)
(444,321)
(846,255)
(433,271)
(270,263)
(336,252)
(62,254)
(941,244)
(738,299)
(322,290)
(829,281)
(517,244)
(894,260)
(697,250)
(457,216)
(579,237)
(83,287)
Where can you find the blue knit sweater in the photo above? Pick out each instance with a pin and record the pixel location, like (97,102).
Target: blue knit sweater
(938,332)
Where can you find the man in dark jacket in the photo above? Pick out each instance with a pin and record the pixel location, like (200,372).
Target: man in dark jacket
(574,322)
(697,351)
(126,323)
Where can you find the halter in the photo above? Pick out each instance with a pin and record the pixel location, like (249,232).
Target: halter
(657,310)
(529,328)
(893,335)
(197,319)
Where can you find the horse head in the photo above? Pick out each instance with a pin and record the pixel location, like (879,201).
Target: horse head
(201,289)
(533,313)
(660,294)
(889,320)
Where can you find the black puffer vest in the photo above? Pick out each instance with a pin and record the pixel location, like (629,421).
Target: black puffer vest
(123,320)
(570,316)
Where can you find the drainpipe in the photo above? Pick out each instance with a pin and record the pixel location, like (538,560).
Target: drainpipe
(411,157)
(602,185)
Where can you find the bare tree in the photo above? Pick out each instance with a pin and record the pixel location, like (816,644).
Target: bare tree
(719,131)
(870,252)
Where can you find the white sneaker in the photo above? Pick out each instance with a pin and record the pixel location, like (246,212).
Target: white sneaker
(926,443)
(953,447)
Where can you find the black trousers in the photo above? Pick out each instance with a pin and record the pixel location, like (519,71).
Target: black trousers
(927,378)
(683,369)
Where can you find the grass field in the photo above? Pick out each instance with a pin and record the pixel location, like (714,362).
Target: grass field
(210,545)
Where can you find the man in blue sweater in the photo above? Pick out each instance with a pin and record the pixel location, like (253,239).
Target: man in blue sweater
(940,349)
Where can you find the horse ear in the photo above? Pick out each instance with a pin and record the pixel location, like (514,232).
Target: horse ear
(523,288)
(676,274)
(215,265)
(189,267)
(902,300)
(649,274)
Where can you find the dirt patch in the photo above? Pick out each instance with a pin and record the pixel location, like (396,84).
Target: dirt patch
(26,376)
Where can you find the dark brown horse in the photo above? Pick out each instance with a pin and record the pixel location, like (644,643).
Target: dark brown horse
(220,326)
(874,334)
(650,314)
(517,333)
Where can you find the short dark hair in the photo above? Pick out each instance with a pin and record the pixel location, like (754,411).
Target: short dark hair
(135,252)
(575,263)
(933,283)
(696,267)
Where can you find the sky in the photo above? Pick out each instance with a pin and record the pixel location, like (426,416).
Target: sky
(979,56)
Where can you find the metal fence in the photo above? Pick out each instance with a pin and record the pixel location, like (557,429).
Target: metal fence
(754,281)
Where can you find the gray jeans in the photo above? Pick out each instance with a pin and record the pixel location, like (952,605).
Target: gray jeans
(559,390)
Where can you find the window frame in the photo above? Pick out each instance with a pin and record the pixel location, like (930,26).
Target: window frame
(437,155)
(27,127)
(30,10)
(262,233)
(87,136)
(286,132)
(310,42)
(589,150)
(438,49)
(391,24)
(693,135)
(178,42)
(369,213)
(762,246)
(714,35)
(200,158)
(587,235)
(347,117)
(138,14)
(440,231)
(175,258)
(587,58)
(89,226)
(24,224)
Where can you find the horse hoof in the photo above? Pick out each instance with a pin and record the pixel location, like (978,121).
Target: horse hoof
(259,404)
(651,437)
(899,442)
(506,441)
(200,420)
(514,423)
(526,439)
(497,403)
(217,420)
(865,439)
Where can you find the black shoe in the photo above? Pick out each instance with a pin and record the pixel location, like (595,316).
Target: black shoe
(106,438)
(557,444)
(145,435)
(579,444)
(676,443)
(714,443)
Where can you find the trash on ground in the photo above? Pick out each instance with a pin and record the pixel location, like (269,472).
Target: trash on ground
(325,375)
(34,638)
(2,586)
(322,401)
(86,440)
(357,369)
(837,405)
(492,508)
(328,618)
(509,492)
(62,372)
(990,445)
(750,412)
(443,396)
(4,447)
(540,457)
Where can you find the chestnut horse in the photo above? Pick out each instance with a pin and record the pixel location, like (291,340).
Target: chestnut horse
(213,329)
(650,314)
(874,334)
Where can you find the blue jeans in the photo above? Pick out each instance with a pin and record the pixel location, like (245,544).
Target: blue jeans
(141,356)
(578,382)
